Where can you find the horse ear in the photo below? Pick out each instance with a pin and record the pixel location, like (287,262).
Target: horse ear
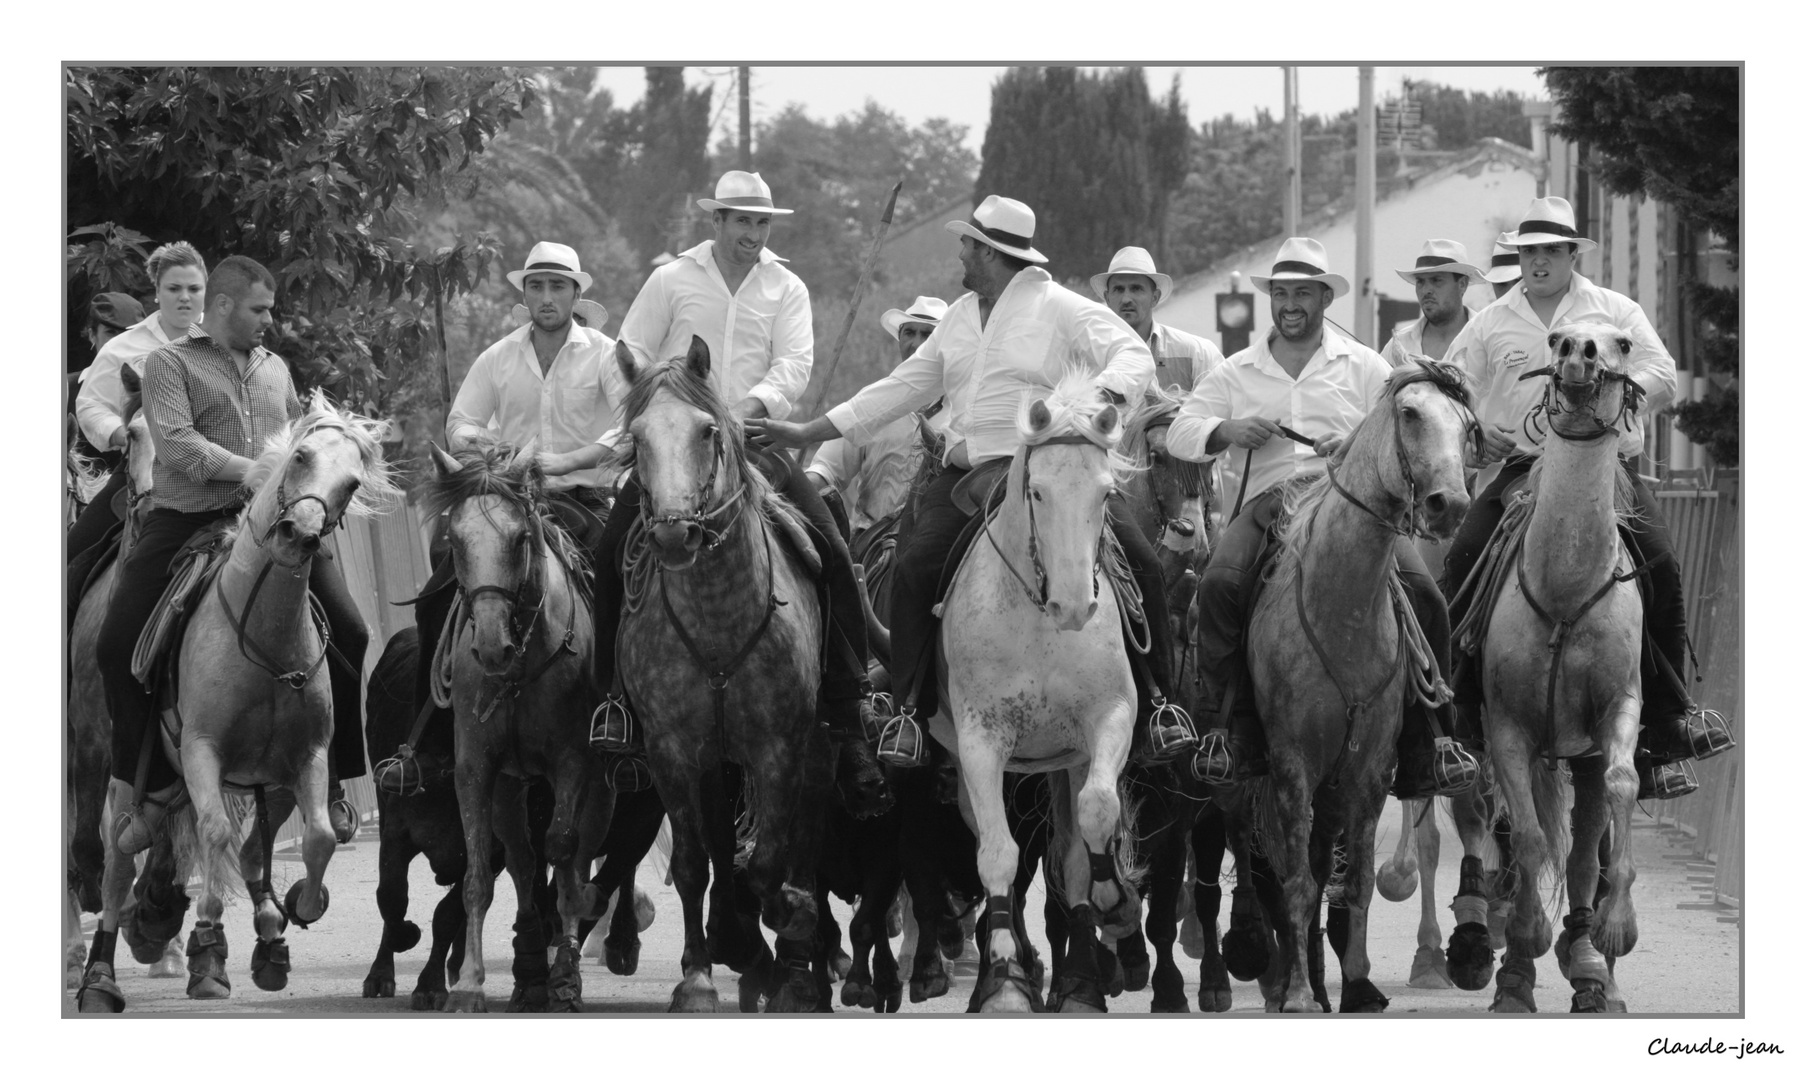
(1038,416)
(526,454)
(1106,419)
(698,357)
(624,360)
(129,376)
(443,463)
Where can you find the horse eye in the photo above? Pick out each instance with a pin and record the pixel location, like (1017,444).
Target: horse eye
(1037,495)
(1408,412)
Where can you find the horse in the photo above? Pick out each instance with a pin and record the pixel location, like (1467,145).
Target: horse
(1480,904)
(1328,646)
(1038,680)
(720,650)
(511,665)
(1561,679)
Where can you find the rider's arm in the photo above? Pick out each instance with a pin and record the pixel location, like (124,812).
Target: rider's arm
(792,354)
(100,404)
(1101,336)
(834,464)
(1193,434)
(475,404)
(171,421)
(648,319)
(913,384)
(1649,363)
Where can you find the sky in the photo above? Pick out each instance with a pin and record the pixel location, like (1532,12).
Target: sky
(963,94)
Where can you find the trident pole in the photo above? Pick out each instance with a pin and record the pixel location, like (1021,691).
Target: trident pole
(865,277)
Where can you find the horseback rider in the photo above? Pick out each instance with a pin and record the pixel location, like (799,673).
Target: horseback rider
(737,296)
(553,382)
(1014,334)
(1440,277)
(1132,288)
(213,397)
(1304,377)
(1506,340)
(873,481)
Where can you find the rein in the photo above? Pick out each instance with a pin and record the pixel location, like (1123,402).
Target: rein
(1551,406)
(294,680)
(512,685)
(1037,594)
(718,674)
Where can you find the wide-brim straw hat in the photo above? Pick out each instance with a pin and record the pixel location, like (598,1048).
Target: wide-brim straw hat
(1301,259)
(1505,268)
(738,190)
(1550,220)
(549,258)
(1442,257)
(1133,260)
(923,309)
(1005,224)
(588,312)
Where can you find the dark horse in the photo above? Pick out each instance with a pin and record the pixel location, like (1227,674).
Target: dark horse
(720,651)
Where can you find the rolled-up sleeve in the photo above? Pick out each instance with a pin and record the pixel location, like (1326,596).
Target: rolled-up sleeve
(172,430)
(100,404)
(475,404)
(913,384)
(1649,363)
(1127,366)
(792,354)
(648,320)
(1203,412)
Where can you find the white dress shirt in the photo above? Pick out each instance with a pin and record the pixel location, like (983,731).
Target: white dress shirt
(873,480)
(1334,391)
(1036,330)
(1406,343)
(1507,339)
(100,404)
(1181,360)
(761,338)
(578,398)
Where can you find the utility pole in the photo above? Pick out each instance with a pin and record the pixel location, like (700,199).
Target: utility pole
(1294,166)
(1364,185)
(746,119)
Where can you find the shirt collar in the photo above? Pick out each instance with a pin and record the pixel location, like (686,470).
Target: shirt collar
(704,253)
(525,334)
(1578,287)
(1333,346)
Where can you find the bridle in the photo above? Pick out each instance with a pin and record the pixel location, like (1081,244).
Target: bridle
(1552,404)
(1037,593)
(528,599)
(1167,519)
(1411,526)
(704,518)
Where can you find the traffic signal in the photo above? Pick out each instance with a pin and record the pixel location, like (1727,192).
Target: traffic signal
(1235,320)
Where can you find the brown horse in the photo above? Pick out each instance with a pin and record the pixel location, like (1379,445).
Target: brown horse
(1328,655)
(720,651)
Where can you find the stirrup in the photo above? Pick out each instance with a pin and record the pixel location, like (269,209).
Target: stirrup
(612,728)
(1453,768)
(1214,763)
(1712,736)
(1671,781)
(880,707)
(342,806)
(627,773)
(133,833)
(400,775)
(1170,731)
(900,743)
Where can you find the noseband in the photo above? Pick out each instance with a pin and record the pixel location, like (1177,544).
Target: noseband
(284,505)
(705,519)
(529,598)
(1552,404)
(1410,527)
(1037,594)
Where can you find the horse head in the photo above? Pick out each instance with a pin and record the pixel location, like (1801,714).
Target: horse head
(1167,497)
(1063,473)
(1587,362)
(310,474)
(686,453)
(492,495)
(1432,420)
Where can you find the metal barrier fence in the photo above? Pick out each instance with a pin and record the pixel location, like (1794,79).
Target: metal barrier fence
(1706,524)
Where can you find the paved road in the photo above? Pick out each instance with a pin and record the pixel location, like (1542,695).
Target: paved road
(1686,961)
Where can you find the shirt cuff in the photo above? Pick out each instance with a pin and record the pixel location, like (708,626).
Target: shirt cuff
(846,422)
(102,430)
(1189,435)
(776,406)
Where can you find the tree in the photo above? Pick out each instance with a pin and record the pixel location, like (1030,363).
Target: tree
(1461,118)
(1093,155)
(311,171)
(1672,134)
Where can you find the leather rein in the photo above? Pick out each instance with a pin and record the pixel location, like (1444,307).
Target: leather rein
(529,599)
(294,679)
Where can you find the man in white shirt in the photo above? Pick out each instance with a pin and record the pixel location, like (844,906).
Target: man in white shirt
(754,314)
(1305,377)
(1012,336)
(873,481)
(1132,288)
(1500,344)
(1440,278)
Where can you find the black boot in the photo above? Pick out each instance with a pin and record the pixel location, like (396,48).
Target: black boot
(1693,733)
(861,781)
(1430,765)
(1664,780)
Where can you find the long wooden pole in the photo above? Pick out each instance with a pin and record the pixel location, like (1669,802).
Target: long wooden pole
(1364,193)
(865,276)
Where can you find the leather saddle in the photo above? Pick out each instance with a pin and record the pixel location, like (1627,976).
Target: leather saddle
(191,571)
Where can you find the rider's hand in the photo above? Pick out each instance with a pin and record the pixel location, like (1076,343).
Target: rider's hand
(1498,442)
(1328,445)
(117,440)
(749,408)
(1250,433)
(779,433)
(553,464)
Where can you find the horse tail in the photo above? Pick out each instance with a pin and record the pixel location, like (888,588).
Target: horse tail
(211,847)
(1124,842)
(1553,796)
(1266,835)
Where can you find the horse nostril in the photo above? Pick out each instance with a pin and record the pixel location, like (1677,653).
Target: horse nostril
(1435,504)
(692,537)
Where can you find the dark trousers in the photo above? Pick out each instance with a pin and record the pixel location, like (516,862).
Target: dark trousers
(931,532)
(143,577)
(1223,591)
(96,518)
(843,678)
(1666,616)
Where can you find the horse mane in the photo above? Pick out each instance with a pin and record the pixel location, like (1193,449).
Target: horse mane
(1164,405)
(697,392)
(1624,499)
(1074,404)
(488,466)
(375,494)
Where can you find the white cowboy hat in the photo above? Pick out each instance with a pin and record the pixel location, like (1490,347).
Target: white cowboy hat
(549,258)
(588,312)
(1132,260)
(1505,268)
(923,309)
(1549,221)
(1301,259)
(1442,257)
(1005,224)
(738,190)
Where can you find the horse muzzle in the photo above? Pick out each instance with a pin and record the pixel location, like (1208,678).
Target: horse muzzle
(1440,513)
(676,539)
(1071,617)
(492,643)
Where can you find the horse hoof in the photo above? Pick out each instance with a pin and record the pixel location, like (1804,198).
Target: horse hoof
(293,898)
(1516,989)
(270,965)
(98,993)
(1135,975)
(791,915)
(149,952)
(528,999)
(621,960)
(1245,952)
(427,1000)
(405,936)
(1215,1000)
(1298,1005)
(1361,996)
(1172,1005)
(1077,995)
(564,985)
(1589,997)
(890,996)
(695,996)
(858,994)
(795,996)
(465,1001)
(377,986)
(170,965)
(209,987)
(1429,969)
(931,985)
(1470,956)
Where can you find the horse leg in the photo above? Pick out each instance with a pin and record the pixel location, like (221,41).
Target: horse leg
(1430,966)
(1578,958)
(1397,877)
(474,778)
(269,957)
(1470,952)
(99,990)
(1358,992)
(1209,841)
(395,853)
(621,945)
(526,870)
(216,840)
(1166,873)
(1003,984)
(1527,933)
(689,867)
(307,899)
(1615,930)
(1078,984)
(569,849)
(1299,889)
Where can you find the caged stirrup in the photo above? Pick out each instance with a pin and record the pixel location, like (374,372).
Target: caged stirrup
(612,728)
(1170,731)
(900,743)
(400,775)
(626,773)
(1708,733)
(1214,763)
(880,707)
(1666,781)
(1452,767)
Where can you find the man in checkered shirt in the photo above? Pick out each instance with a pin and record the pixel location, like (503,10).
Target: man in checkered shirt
(213,399)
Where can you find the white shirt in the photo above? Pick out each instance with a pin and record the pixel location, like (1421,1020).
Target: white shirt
(1406,343)
(100,405)
(565,408)
(1181,360)
(761,338)
(1334,391)
(1035,331)
(1507,339)
(873,480)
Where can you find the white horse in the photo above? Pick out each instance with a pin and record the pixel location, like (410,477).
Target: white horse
(1037,680)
